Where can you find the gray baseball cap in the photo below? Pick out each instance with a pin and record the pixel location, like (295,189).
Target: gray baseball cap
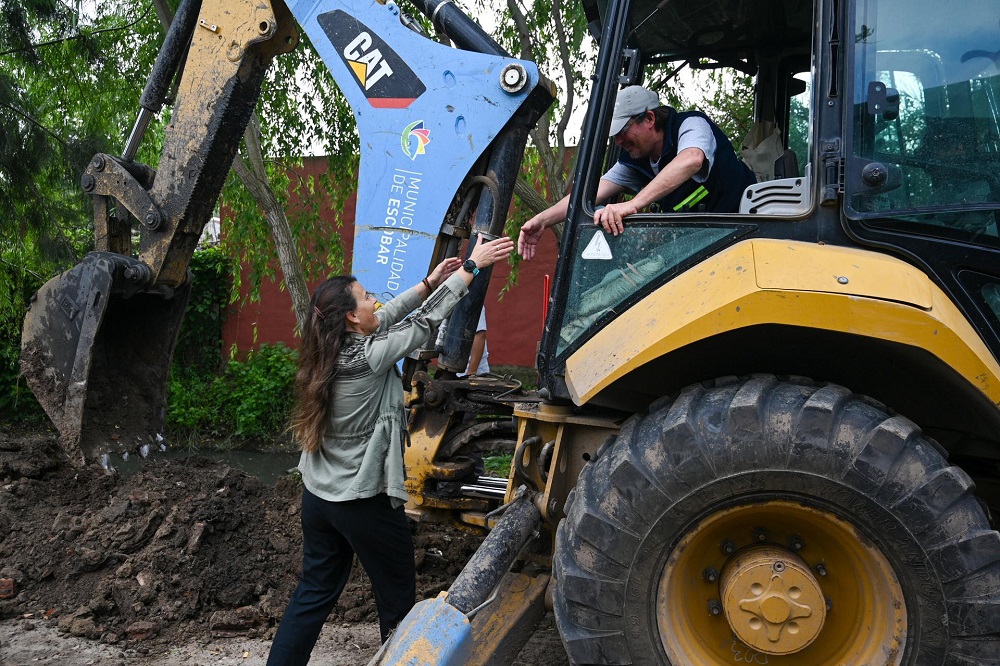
(632,101)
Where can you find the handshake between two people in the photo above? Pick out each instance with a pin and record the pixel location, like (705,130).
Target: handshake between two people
(484,254)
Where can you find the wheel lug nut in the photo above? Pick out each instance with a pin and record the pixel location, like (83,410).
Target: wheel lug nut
(714,607)
(796,543)
(710,575)
(820,569)
(728,547)
(829,604)
(760,535)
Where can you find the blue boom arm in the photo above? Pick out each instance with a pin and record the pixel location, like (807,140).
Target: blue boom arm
(426,114)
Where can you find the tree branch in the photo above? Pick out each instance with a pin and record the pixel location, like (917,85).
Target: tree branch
(255,179)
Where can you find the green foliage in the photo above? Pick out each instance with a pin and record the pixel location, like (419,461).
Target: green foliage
(498,465)
(302,112)
(728,100)
(193,401)
(261,394)
(69,87)
(199,344)
(250,399)
(16,285)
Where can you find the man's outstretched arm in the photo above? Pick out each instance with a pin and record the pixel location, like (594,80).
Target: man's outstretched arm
(679,170)
(532,230)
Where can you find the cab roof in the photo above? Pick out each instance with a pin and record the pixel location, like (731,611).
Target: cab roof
(723,30)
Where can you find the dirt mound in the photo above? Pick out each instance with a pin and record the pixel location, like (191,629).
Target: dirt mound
(185,545)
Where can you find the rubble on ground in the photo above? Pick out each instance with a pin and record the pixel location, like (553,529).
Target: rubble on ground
(185,545)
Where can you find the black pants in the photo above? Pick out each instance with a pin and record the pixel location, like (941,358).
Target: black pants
(332,532)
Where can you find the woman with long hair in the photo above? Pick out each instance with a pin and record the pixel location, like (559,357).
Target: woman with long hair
(348,418)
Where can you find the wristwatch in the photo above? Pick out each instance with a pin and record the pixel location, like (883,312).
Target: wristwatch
(470,266)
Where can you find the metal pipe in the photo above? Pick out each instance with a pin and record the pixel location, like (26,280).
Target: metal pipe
(168,60)
(170,55)
(484,492)
(494,481)
(494,557)
(135,137)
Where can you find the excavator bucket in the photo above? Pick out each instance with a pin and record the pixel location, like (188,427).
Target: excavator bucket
(96,349)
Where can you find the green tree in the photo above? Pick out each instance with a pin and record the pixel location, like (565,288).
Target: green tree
(52,120)
(73,91)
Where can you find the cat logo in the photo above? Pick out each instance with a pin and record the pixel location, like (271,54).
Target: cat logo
(384,78)
(364,61)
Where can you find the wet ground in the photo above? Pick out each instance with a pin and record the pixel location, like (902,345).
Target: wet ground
(188,560)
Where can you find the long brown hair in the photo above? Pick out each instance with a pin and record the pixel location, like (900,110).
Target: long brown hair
(322,340)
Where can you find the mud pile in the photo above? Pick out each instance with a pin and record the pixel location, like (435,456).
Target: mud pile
(185,545)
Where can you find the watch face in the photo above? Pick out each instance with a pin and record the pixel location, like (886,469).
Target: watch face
(470,266)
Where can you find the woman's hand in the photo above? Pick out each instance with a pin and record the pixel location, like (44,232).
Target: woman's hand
(487,254)
(443,271)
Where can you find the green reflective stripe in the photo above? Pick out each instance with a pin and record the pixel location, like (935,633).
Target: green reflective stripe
(693,198)
(701,196)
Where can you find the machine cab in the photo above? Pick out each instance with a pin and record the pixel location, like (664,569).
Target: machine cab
(875,125)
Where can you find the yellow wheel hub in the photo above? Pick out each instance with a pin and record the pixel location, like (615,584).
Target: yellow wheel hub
(771,600)
(779,583)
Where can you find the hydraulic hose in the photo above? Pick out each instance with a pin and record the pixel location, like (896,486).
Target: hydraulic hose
(456,24)
(493,559)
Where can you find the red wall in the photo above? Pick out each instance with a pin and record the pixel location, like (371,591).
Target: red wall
(515,323)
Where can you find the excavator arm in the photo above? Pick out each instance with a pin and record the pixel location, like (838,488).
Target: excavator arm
(438,126)
(98,340)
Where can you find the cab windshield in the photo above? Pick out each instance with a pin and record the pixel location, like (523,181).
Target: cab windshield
(926,105)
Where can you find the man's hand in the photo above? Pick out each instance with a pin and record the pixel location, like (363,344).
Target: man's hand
(610,217)
(530,234)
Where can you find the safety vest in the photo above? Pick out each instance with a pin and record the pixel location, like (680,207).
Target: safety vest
(720,193)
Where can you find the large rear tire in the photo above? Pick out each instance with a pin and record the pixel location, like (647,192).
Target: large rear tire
(779,522)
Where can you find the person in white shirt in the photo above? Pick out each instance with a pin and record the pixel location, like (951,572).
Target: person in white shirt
(479,356)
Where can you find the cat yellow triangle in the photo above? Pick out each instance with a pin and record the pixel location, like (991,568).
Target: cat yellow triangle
(360,70)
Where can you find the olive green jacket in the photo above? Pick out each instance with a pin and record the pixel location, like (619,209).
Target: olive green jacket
(362,450)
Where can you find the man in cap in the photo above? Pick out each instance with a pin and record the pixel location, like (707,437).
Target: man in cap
(681,161)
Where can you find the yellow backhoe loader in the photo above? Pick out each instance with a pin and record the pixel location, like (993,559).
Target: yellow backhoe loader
(763,437)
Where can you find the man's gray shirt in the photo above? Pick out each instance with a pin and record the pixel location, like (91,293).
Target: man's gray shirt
(694,133)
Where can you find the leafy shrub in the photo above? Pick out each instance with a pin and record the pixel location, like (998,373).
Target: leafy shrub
(16,285)
(199,343)
(249,399)
(498,465)
(193,401)
(261,395)
(16,400)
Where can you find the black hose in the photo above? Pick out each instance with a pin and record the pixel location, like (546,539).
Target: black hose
(453,22)
(494,557)
(170,55)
